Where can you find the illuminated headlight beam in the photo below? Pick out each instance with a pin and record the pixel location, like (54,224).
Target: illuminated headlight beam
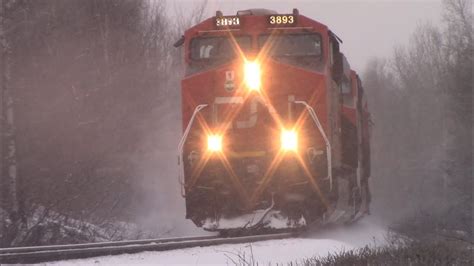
(252,75)
(289,140)
(214,143)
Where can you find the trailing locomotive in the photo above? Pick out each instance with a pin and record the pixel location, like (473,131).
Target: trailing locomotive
(275,124)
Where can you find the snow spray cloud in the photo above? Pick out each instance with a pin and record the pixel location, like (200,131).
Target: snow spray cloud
(162,209)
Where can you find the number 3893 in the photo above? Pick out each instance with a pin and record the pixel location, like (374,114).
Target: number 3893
(282,19)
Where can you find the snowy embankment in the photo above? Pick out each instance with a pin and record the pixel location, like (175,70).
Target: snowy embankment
(365,232)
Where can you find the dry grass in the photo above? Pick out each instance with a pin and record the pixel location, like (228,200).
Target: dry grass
(411,253)
(415,253)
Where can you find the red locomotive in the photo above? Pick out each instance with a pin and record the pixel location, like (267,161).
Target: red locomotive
(275,124)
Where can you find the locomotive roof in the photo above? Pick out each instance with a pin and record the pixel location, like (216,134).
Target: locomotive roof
(256,12)
(209,22)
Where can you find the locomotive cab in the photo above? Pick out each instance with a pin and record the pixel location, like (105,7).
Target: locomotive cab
(261,104)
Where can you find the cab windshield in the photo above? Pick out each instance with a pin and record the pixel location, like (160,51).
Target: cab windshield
(218,48)
(209,52)
(302,49)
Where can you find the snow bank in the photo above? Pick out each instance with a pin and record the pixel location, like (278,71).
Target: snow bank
(271,251)
(319,243)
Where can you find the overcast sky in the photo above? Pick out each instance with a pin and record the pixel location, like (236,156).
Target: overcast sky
(368,27)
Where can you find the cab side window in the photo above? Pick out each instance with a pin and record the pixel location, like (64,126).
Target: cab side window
(335,60)
(348,98)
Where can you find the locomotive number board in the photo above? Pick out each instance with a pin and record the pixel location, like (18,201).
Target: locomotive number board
(283,20)
(228,21)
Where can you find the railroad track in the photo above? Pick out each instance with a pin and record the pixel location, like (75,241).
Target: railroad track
(77,251)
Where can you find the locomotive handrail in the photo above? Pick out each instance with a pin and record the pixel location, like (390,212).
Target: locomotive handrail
(313,115)
(183,140)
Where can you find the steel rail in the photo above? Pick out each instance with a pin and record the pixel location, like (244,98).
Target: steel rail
(100,244)
(67,252)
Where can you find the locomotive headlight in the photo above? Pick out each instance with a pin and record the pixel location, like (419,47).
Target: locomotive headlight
(289,140)
(252,75)
(214,143)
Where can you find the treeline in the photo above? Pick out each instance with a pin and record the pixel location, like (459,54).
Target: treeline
(93,85)
(421,102)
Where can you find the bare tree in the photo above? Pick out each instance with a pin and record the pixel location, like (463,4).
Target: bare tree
(95,81)
(421,99)
(9,167)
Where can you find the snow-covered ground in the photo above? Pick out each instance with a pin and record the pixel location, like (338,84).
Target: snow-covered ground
(365,232)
